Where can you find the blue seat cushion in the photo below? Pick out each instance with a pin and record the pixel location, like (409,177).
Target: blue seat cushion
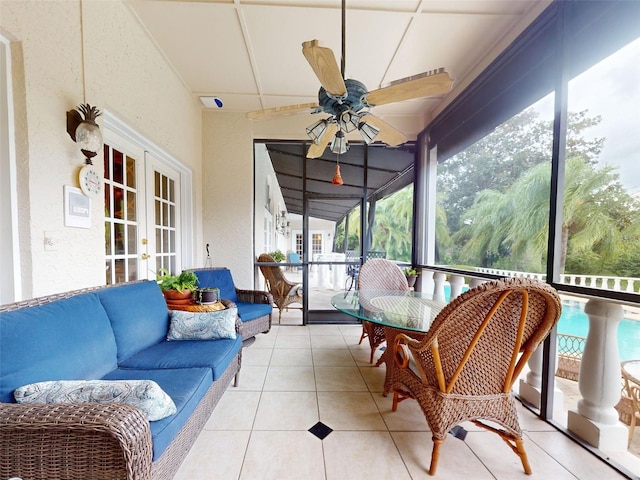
(251,311)
(218,278)
(69,339)
(214,354)
(186,387)
(139,316)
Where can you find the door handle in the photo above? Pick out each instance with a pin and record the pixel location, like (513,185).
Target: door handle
(145,256)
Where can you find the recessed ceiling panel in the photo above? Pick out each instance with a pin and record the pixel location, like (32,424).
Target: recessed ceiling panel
(203,41)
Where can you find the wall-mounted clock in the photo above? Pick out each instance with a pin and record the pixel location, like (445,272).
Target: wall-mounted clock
(90,181)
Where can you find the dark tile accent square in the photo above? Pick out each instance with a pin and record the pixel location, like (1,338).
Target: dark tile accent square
(320,430)
(459,432)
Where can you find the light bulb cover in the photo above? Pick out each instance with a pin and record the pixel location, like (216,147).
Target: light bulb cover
(339,144)
(317,131)
(368,132)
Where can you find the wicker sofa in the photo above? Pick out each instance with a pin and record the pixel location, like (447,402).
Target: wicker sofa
(254,306)
(109,333)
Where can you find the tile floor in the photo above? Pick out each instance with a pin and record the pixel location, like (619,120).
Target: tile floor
(294,377)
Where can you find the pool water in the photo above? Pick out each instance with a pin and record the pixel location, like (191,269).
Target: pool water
(574,321)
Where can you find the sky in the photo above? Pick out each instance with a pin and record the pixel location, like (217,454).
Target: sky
(612,89)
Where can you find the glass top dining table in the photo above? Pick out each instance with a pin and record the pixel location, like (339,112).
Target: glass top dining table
(405,310)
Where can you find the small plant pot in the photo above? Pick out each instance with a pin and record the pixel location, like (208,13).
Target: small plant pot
(411,280)
(172,295)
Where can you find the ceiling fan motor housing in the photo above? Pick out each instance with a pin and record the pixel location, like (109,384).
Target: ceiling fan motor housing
(356,99)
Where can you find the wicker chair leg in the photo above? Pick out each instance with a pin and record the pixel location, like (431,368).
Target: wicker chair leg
(363,335)
(435,455)
(523,455)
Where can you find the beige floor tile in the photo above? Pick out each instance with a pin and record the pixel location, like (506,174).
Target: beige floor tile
(361,353)
(215,455)
(339,379)
(355,455)
(265,340)
(374,377)
(351,330)
(506,465)
(325,330)
(283,456)
(287,411)
(256,356)
(530,422)
(293,341)
(332,357)
(290,379)
(292,330)
(407,418)
(572,456)
(251,377)
(457,461)
(286,357)
(236,410)
(349,411)
(328,341)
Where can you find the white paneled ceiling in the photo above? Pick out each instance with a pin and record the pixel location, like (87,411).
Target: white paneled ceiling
(248,52)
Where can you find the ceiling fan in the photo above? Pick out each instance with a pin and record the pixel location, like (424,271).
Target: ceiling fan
(348,101)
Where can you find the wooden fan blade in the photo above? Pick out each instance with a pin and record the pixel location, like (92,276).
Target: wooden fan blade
(323,62)
(281,111)
(316,150)
(387,134)
(425,84)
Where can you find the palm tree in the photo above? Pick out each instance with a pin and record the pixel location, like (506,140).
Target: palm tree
(516,223)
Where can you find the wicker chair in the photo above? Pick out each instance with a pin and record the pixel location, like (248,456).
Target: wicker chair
(283,291)
(629,405)
(465,366)
(378,274)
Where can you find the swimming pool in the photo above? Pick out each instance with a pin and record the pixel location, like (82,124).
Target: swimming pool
(574,321)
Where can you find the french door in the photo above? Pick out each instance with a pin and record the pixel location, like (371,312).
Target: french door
(142,213)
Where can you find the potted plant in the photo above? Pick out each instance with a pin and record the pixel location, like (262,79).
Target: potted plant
(411,274)
(277,255)
(177,287)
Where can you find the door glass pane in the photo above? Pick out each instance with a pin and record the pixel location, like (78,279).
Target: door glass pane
(165,220)
(121,227)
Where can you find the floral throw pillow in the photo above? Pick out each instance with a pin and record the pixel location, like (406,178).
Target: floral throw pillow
(144,394)
(203,325)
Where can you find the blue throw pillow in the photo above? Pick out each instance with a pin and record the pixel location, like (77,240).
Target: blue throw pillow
(203,325)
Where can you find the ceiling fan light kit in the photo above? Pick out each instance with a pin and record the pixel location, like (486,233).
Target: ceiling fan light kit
(348,101)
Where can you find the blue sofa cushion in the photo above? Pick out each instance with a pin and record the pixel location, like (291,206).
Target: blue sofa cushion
(218,278)
(251,311)
(186,387)
(139,316)
(69,339)
(216,355)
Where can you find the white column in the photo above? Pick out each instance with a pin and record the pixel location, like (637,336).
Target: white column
(426,281)
(596,419)
(530,388)
(474,282)
(438,289)
(456,282)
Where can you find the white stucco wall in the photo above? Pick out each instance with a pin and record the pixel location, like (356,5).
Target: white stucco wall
(227,200)
(124,74)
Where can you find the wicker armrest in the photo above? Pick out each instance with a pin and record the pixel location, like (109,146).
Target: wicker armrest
(254,296)
(89,440)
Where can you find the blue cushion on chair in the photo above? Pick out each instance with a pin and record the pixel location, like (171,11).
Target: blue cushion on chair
(251,311)
(139,316)
(218,278)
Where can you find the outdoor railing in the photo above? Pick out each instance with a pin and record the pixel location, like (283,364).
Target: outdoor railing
(618,284)
(570,348)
